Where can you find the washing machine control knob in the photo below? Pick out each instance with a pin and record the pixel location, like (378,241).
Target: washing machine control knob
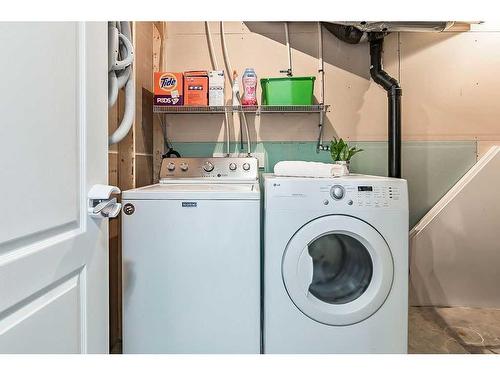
(171,166)
(232,166)
(184,167)
(246,166)
(337,192)
(208,167)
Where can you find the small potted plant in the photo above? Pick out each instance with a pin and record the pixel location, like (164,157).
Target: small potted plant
(341,152)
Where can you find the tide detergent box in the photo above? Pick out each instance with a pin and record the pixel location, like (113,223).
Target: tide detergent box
(168,88)
(196,88)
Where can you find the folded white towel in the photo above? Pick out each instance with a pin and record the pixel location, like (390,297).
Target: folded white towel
(309,169)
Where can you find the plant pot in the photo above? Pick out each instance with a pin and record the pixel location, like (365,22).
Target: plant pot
(344,171)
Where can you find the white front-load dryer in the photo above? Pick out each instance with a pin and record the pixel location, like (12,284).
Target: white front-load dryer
(335,265)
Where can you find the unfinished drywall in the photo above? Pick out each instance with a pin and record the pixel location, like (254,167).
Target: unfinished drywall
(359,104)
(454,250)
(448,88)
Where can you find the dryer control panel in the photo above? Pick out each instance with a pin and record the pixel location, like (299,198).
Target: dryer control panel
(213,169)
(373,195)
(349,192)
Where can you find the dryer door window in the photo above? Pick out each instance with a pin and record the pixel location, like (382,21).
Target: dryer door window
(337,270)
(342,268)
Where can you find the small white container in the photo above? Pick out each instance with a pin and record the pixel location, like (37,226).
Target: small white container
(341,168)
(216,88)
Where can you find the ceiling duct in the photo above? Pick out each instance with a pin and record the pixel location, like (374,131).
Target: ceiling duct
(354,32)
(408,26)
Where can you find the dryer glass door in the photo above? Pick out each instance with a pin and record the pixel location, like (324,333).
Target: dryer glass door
(337,270)
(342,268)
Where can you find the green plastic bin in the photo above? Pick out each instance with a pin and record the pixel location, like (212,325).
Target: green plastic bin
(287,91)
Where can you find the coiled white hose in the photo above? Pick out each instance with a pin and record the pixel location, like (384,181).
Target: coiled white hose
(120,75)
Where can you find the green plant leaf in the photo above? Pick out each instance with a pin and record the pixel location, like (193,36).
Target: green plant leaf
(353,151)
(340,150)
(345,153)
(336,148)
(342,146)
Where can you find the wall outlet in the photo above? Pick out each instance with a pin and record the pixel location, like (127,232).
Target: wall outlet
(261,157)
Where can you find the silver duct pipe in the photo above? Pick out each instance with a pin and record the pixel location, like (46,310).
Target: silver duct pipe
(397,26)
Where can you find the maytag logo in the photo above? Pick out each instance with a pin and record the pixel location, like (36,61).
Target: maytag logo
(189,204)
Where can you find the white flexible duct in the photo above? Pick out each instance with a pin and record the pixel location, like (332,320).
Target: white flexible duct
(128,114)
(229,74)
(122,64)
(112,88)
(213,57)
(120,75)
(227,63)
(215,66)
(116,81)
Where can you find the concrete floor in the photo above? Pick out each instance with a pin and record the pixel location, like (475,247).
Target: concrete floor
(454,330)
(447,330)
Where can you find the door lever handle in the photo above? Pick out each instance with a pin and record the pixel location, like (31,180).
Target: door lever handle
(100,202)
(107,208)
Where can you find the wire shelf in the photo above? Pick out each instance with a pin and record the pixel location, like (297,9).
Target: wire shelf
(315,108)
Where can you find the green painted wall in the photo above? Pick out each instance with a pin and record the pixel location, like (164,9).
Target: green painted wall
(431,168)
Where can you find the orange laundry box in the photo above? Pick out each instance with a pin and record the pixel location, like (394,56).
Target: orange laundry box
(196,88)
(168,88)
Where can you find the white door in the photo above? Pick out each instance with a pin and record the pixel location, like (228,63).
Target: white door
(53,148)
(338,270)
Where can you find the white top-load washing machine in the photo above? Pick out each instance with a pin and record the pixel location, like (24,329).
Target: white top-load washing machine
(335,265)
(191,259)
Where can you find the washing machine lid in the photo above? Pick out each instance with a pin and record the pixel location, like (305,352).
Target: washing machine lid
(337,270)
(212,191)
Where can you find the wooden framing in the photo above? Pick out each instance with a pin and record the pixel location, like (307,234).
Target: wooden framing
(132,162)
